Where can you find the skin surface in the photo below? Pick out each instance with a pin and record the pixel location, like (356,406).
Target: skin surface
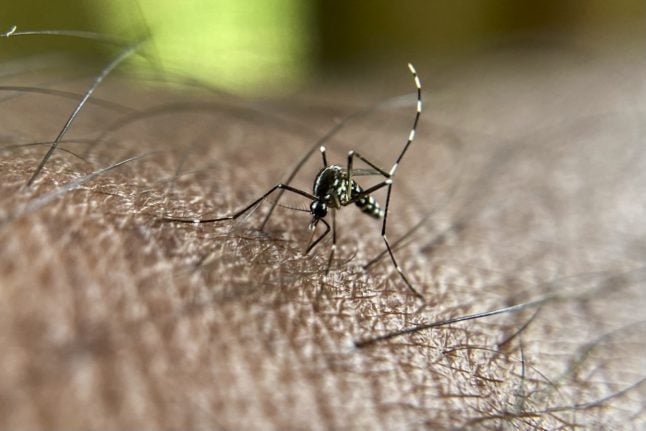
(527,171)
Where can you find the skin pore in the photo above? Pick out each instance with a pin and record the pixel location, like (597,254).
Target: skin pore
(527,175)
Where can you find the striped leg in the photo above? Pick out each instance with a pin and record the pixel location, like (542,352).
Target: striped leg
(237,214)
(390,251)
(333,248)
(390,174)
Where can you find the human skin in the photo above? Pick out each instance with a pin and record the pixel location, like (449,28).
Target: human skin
(528,171)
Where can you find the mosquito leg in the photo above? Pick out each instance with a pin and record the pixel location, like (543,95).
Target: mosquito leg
(245,209)
(353,154)
(411,135)
(390,251)
(407,235)
(323,280)
(371,190)
(322,149)
(313,244)
(388,182)
(348,186)
(333,248)
(413,129)
(289,179)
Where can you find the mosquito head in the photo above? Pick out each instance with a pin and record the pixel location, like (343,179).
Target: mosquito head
(318,210)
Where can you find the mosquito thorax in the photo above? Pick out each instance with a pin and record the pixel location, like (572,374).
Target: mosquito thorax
(331,180)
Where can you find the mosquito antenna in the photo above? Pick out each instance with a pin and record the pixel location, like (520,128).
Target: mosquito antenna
(294,208)
(105,72)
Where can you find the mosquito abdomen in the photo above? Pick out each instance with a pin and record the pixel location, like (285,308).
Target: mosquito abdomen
(367,204)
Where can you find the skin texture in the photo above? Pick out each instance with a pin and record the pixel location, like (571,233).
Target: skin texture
(527,171)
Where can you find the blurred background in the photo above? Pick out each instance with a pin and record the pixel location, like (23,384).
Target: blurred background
(273,46)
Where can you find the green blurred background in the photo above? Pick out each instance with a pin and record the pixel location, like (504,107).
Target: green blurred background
(268,46)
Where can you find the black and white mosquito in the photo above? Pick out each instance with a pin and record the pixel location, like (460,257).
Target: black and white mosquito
(335,187)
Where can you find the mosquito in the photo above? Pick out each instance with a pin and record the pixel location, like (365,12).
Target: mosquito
(335,187)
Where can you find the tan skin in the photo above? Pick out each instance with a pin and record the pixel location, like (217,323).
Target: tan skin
(111,319)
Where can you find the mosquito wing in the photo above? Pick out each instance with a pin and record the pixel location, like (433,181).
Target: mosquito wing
(365,172)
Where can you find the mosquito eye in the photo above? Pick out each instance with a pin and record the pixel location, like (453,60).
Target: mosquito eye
(318,209)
